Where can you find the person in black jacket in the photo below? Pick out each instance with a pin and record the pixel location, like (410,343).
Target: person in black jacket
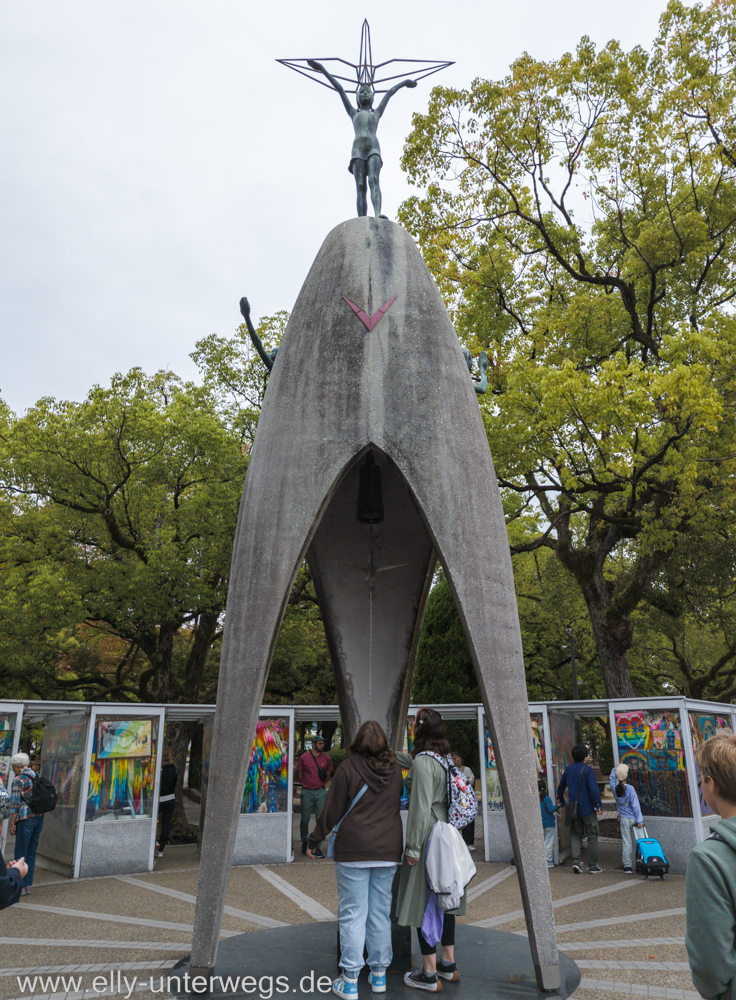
(166,803)
(11,881)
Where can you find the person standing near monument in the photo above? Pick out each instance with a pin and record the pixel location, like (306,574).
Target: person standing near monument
(427,787)
(24,824)
(582,809)
(365,158)
(363,805)
(11,881)
(629,813)
(166,802)
(710,884)
(549,821)
(314,767)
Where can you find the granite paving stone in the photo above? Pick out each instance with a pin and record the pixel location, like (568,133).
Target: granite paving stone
(616,964)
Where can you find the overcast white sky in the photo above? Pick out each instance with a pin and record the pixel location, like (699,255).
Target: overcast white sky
(157,163)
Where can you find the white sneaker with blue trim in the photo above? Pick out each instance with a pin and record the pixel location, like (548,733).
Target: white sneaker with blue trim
(345,987)
(377,980)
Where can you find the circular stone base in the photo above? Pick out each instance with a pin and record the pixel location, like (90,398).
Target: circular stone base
(494,965)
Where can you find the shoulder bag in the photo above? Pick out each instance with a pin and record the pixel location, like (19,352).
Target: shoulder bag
(333,835)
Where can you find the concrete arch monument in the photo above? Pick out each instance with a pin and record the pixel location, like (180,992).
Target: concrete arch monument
(370,363)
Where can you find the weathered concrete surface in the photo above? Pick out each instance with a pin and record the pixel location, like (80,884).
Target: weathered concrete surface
(335,390)
(116,847)
(388,566)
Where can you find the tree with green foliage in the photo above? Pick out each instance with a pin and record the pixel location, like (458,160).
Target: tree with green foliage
(117,518)
(444,672)
(125,506)
(685,634)
(580,218)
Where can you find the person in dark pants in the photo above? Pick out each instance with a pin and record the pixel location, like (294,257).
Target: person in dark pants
(24,824)
(314,767)
(166,803)
(579,780)
(427,787)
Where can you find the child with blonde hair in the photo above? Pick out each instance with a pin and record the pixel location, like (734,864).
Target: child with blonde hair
(629,813)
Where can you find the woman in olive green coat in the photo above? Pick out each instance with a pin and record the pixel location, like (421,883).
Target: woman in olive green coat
(427,788)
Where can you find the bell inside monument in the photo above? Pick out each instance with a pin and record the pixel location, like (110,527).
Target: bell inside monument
(370,494)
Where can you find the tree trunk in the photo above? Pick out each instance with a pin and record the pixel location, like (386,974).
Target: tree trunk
(162,661)
(612,631)
(328,731)
(612,639)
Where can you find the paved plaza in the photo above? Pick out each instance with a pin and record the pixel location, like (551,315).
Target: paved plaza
(626,935)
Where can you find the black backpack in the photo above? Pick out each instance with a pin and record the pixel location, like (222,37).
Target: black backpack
(41,798)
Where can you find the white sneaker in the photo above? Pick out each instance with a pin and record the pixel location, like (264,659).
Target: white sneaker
(345,987)
(159,854)
(377,981)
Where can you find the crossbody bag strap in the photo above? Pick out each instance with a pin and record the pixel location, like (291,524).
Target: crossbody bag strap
(355,801)
(445,764)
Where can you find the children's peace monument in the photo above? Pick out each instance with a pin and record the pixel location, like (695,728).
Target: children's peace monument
(371,462)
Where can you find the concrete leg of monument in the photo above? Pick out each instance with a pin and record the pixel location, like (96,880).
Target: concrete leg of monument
(204,972)
(548,977)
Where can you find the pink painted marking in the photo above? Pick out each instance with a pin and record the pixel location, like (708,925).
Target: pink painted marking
(370,321)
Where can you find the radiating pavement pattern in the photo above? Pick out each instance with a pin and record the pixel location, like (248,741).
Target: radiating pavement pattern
(125,933)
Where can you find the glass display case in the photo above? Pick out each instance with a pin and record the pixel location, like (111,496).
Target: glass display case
(11,715)
(267,783)
(62,762)
(494,797)
(122,770)
(121,785)
(264,826)
(8,722)
(650,742)
(703,725)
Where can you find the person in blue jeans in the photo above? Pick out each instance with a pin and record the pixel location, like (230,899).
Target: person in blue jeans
(579,780)
(25,824)
(549,821)
(629,813)
(364,802)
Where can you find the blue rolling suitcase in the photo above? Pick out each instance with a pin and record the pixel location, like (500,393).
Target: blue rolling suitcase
(650,859)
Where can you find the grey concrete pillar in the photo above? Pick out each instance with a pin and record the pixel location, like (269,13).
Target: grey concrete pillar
(394,381)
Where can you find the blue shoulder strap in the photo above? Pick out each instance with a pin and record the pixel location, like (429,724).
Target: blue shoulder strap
(354,802)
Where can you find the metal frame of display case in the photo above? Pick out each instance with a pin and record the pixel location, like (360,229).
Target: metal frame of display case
(132,711)
(7,708)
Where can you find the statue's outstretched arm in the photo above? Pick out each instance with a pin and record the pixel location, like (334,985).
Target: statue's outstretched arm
(390,93)
(335,83)
(265,358)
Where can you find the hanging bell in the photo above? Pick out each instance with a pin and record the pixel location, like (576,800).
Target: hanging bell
(370,494)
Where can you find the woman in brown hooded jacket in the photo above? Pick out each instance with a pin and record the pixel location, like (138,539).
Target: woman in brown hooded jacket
(367,849)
